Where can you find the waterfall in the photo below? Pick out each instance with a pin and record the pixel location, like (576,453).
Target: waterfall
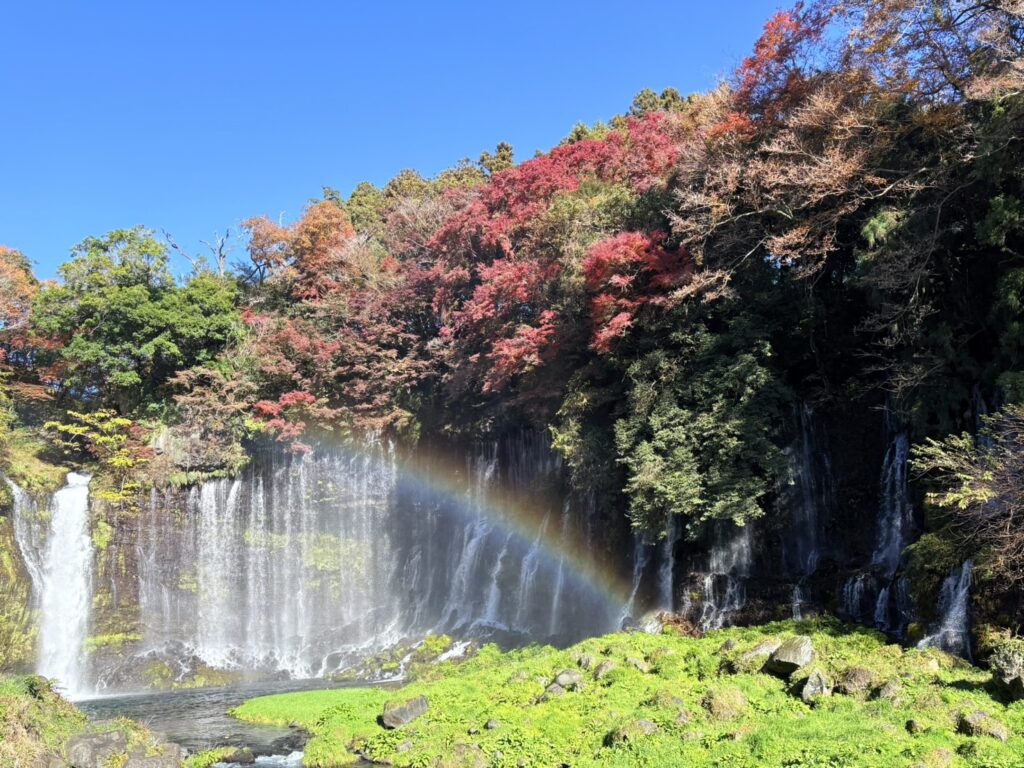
(720,590)
(952,631)
(305,563)
(641,557)
(894,519)
(666,571)
(58,556)
(811,497)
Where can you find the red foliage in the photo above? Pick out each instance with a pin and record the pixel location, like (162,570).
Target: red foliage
(494,271)
(625,273)
(778,74)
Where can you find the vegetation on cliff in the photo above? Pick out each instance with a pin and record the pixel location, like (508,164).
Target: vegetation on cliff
(666,699)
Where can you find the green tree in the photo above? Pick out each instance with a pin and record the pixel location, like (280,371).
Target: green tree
(502,159)
(118,326)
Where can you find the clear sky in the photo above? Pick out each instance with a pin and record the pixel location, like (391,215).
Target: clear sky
(191,116)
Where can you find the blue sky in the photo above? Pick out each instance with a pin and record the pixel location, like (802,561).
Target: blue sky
(191,116)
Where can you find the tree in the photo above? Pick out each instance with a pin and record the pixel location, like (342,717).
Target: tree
(502,159)
(118,327)
(979,481)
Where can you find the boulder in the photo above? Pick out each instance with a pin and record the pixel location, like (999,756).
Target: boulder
(796,653)
(491,724)
(937,758)
(683,717)
(552,691)
(640,664)
(891,691)
(979,723)
(154,761)
(570,679)
(753,659)
(724,703)
(398,713)
(632,732)
(585,661)
(817,686)
(856,681)
(1007,664)
(727,646)
(914,727)
(94,750)
(242,756)
(603,669)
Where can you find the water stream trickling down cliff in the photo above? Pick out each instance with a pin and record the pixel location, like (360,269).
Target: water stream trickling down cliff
(302,565)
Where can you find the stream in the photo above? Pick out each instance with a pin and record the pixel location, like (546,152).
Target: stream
(197,719)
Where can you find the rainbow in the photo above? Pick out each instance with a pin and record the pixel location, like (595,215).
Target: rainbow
(513,513)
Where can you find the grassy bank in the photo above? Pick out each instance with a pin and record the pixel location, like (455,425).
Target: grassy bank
(666,700)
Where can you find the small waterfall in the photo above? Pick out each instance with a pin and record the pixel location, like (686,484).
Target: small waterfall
(641,558)
(952,632)
(666,571)
(852,597)
(894,514)
(720,590)
(58,556)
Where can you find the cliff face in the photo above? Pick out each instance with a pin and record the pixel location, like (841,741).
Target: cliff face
(302,564)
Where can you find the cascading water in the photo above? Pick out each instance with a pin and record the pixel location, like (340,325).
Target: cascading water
(894,514)
(715,595)
(666,571)
(303,564)
(891,608)
(57,552)
(810,500)
(952,632)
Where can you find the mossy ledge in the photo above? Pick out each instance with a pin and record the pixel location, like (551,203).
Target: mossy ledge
(656,700)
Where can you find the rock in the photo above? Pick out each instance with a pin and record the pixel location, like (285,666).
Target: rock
(856,680)
(683,718)
(796,653)
(979,723)
(603,669)
(640,664)
(570,679)
(491,724)
(1007,664)
(552,691)
(914,727)
(396,714)
(632,732)
(240,756)
(95,750)
(585,661)
(754,659)
(937,758)
(465,756)
(405,746)
(49,760)
(724,703)
(727,646)
(817,686)
(891,691)
(156,761)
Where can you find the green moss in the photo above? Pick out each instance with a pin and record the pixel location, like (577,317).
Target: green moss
(102,533)
(929,561)
(113,641)
(209,757)
(34,720)
(688,679)
(31,463)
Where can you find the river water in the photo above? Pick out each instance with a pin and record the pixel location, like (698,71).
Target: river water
(198,719)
